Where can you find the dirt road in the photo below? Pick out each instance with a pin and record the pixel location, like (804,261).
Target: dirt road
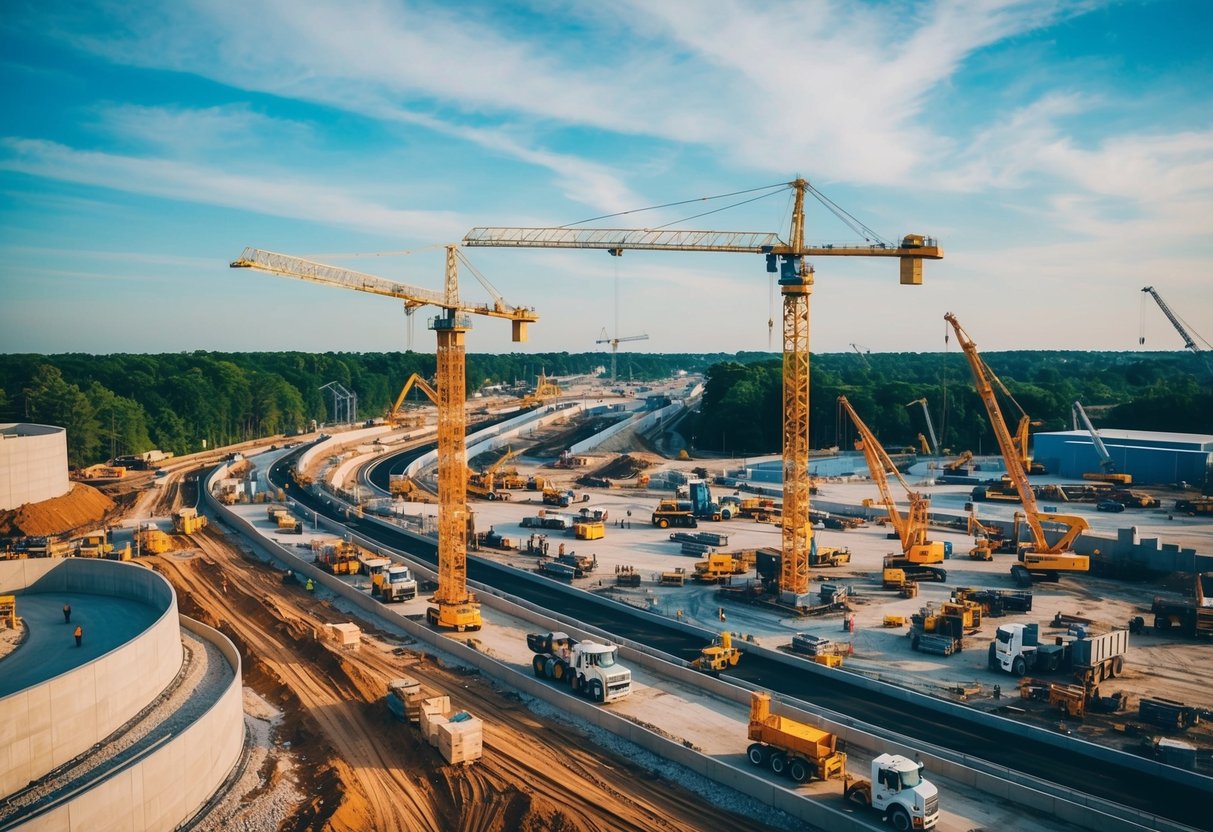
(366,771)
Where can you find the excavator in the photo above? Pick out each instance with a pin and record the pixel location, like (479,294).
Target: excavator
(917,553)
(397,418)
(1042,561)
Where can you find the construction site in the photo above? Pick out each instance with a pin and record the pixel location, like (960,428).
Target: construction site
(554,614)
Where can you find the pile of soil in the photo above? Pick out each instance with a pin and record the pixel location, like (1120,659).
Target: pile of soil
(621,468)
(82,506)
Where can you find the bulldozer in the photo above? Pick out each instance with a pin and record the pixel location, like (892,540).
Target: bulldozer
(719,655)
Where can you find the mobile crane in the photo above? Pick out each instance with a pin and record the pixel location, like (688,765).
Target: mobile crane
(934,447)
(1189,341)
(1043,560)
(395,417)
(788,260)
(456,608)
(917,553)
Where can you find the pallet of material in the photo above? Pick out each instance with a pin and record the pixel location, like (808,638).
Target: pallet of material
(433,713)
(460,738)
(936,645)
(696,549)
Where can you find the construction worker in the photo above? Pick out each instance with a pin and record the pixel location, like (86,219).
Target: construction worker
(67,613)
(79,635)
(310,586)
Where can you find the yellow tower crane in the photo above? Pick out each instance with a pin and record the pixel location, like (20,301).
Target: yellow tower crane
(1043,560)
(796,282)
(916,551)
(456,608)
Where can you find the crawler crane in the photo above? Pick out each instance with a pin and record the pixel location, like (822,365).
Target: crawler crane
(456,608)
(1043,560)
(917,553)
(788,260)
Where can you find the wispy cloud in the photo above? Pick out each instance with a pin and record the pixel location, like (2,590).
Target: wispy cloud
(282,196)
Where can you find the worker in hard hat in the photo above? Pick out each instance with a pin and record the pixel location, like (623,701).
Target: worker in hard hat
(310,586)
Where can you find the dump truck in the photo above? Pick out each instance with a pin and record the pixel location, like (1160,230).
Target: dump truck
(589,668)
(674,513)
(718,566)
(395,583)
(898,790)
(188,521)
(1189,616)
(790,748)
(1016,649)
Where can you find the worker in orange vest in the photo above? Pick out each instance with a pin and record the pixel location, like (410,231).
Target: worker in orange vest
(79,635)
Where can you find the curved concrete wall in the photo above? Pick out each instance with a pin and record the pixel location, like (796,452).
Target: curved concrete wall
(49,724)
(172,782)
(33,464)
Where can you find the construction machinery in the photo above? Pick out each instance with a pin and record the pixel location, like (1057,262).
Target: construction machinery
(719,566)
(991,540)
(917,552)
(702,504)
(589,668)
(188,520)
(788,260)
(1189,340)
(897,789)
(397,417)
(1107,467)
(718,656)
(94,545)
(1043,560)
(1017,649)
(455,607)
(603,338)
(1190,616)
(150,540)
(790,748)
(934,446)
(395,583)
(674,513)
(954,465)
(404,697)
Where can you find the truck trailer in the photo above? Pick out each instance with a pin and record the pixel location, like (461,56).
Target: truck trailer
(1017,649)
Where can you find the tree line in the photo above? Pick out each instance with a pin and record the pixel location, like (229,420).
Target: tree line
(185,402)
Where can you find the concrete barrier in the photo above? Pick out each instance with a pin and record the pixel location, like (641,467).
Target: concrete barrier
(46,725)
(156,792)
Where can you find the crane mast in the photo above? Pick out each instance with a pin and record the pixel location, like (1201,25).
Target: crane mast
(457,608)
(615,342)
(1189,341)
(787,258)
(1057,560)
(930,424)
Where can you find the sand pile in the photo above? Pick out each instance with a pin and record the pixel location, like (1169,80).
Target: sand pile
(80,507)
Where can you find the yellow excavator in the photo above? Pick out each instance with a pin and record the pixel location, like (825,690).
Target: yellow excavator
(917,552)
(397,418)
(1043,560)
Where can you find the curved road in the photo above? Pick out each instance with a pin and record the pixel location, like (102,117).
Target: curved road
(1069,768)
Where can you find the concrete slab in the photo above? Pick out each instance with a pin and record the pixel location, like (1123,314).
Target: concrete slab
(51,649)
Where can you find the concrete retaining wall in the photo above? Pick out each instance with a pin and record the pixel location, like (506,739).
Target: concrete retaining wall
(49,724)
(167,785)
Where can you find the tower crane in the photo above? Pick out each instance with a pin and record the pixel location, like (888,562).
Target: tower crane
(916,551)
(615,342)
(867,364)
(930,424)
(1189,341)
(788,260)
(1043,560)
(456,608)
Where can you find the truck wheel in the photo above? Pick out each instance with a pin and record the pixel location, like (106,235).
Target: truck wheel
(663,523)
(798,770)
(1021,576)
(1019,667)
(757,753)
(779,763)
(596,692)
(1118,665)
(899,819)
(537,666)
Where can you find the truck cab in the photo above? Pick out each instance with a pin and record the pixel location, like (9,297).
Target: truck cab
(398,584)
(898,788)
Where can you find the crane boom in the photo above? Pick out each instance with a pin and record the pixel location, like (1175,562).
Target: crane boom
(787,259)
(1105,458)
(1016,469)
(930,424)
(1189,341)
(457,608)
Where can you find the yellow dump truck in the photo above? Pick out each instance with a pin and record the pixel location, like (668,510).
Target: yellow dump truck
(791,748)
(188,521)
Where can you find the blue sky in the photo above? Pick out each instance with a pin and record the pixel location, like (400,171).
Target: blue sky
(1062,152)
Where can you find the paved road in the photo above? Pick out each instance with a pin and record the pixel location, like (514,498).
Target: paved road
(51,649)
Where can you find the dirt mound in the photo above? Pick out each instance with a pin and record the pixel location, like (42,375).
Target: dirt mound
(621,468)
(82,506)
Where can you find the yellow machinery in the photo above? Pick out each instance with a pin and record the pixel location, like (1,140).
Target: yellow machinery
(395,417)
(589,529)
(456,608)
(151,541)
(719,655)
(788,260)
(933,447)
(989,540)
(8,611)
(917,553)
(94,545)
(787,746)
(187,521)
(719,565)
(545,388)
(960,462)
(1045,560)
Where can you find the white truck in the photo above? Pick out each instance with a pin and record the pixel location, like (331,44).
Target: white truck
(589,668)
(396,583)
(898,790)
(1016,649)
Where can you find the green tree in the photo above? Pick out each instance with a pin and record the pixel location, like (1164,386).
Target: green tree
(52,401)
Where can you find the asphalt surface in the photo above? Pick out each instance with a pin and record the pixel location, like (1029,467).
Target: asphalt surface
(1013,750)
(50,649)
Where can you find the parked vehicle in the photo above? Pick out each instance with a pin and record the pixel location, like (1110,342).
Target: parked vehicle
(1109,505)
(1016,649)
(589,668)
